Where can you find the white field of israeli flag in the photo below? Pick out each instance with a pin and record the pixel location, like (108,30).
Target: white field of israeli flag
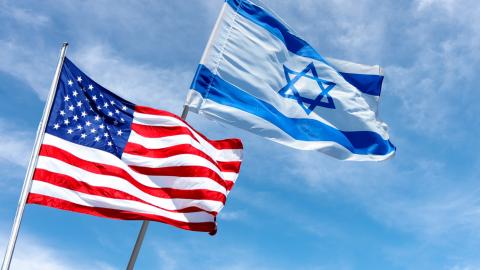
(258,75)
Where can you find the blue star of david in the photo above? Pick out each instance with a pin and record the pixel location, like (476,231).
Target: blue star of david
(307,104)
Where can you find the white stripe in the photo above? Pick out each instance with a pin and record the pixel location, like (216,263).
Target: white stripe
(98,156)
(100,180)
(355,68)
(168,121)
(230,176)
(266,129)
(158,120)
(88,200)
(173,161)
(253,60)
(163,142)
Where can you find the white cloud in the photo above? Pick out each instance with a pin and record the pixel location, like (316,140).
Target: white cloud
(142,84)
(197,254)
(232,215)
(19,60)
(34,254)
(16,144)
(464,267)
(23,16)
(446,4)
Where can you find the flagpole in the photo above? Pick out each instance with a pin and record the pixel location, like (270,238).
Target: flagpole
(143,229)
(27,183)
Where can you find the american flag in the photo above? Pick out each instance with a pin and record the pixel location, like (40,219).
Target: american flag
(105,156)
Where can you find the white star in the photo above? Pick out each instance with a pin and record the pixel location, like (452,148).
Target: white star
(119,133)
(117,111)
(99,108)
(105,104)
(83,135)
(88,123)
(124,108)
(66,98)
(84,114)
(56,126)
(97,139)
(71,107)
(79,104)
(62,112)
(66,122)
(105,135)
(102,126)
(110,143)
(122,120)
(70,82)
(79,79)
(112,102)
(97,118)
(110,114)
(75,118)
(101,95)
(79,127)
(75,93)
(70,131)
(94,98)
(90,87)
(93,130)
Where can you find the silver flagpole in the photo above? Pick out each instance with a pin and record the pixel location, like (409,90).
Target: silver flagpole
(143,229)
(27,182)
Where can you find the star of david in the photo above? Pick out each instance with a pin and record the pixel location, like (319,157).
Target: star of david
(301,87)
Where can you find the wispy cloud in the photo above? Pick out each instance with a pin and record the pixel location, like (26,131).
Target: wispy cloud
(20,61)
(23,16)
(16,144)
(141,83)
(34,254)
(232,215)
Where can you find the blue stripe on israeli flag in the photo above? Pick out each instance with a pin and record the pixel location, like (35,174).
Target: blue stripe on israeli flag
(257,75)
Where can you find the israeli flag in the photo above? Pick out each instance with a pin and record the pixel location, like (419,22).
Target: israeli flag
(258,75)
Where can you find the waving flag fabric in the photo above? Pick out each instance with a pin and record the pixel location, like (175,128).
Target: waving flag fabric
(258,75)
(105,156)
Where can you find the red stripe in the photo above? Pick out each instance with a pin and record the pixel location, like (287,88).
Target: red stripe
(183,171)
(229,185)
(117,214)
(161,131)
(229,166)
(219,144)
(104,169)
(140,150)
(65,181)
(148,110)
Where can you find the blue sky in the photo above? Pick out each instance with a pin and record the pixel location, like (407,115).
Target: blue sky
(290,209)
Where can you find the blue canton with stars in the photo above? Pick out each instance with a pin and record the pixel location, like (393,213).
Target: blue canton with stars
(307,104)
(85,113)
